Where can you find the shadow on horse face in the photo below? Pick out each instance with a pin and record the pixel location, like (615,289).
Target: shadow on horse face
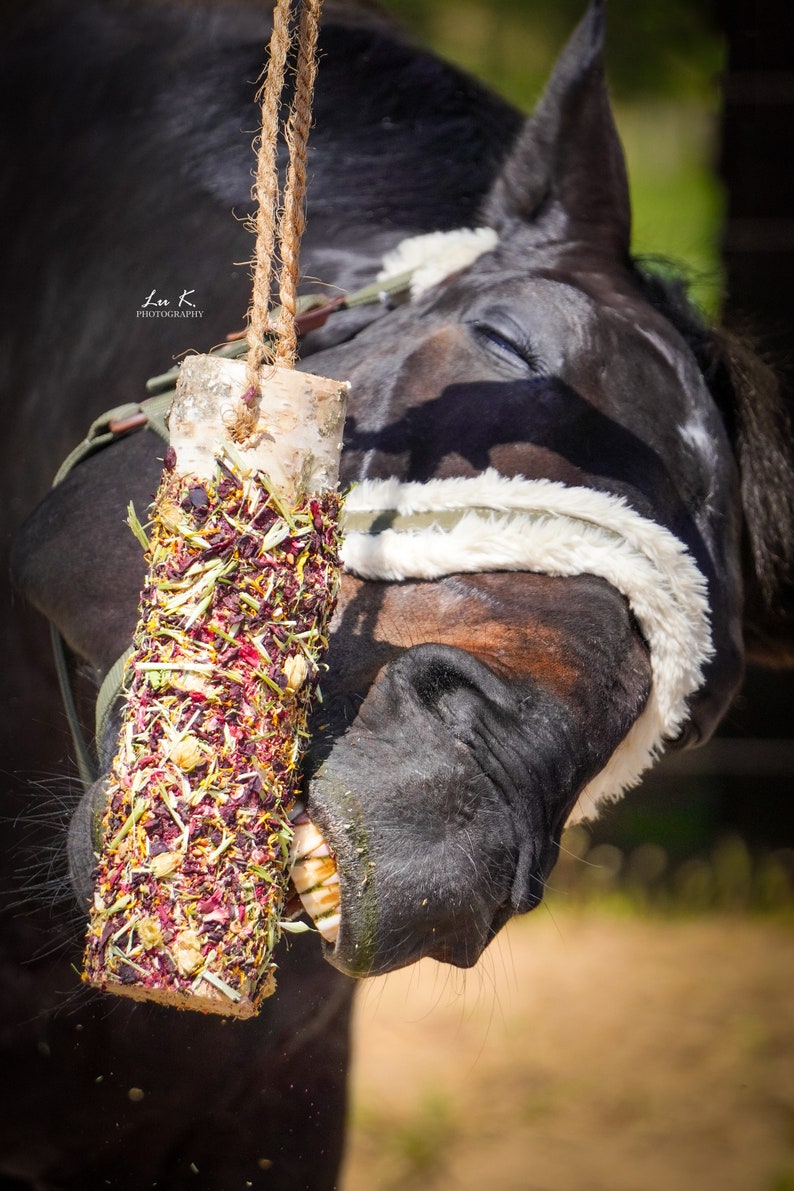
(497,698)
(445,795)
(537,378)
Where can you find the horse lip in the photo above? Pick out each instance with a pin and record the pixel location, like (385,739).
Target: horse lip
(82,841)
(354,950)
(365,945)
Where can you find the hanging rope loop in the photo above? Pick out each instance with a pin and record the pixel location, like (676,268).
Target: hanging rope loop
(279,228)
(293,218)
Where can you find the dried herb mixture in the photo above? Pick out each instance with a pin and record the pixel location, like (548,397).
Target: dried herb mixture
(192,875)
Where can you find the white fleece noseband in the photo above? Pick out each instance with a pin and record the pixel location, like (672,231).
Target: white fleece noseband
(514,524)
(434,256)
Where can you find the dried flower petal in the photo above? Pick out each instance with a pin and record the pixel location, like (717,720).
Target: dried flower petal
(187,952)
(187,753)
(165,864)
(296,671)
(226,661)
(150,932)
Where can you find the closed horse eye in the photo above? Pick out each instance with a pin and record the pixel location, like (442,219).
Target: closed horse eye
(511,344)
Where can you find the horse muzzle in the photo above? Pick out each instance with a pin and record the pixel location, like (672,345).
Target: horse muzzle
(443,808)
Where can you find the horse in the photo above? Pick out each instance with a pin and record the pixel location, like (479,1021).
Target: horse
(569,524)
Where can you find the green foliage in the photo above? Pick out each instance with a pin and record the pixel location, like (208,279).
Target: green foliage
(653,50)
(727,878)
(663,65)
(677,200)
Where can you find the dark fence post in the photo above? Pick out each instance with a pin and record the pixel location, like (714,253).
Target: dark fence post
(757,167)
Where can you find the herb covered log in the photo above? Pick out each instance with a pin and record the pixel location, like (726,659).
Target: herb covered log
(243,572)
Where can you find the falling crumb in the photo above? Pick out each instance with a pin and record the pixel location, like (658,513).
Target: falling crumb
(135,1095)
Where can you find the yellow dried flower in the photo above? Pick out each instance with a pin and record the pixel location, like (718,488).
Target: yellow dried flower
(296,670)
(150,933)
(188,952)
(187,753)
(171,516)
(165,864)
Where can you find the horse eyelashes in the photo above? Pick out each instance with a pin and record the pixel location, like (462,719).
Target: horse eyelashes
(510,344)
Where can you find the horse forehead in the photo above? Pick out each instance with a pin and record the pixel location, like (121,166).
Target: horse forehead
(576,322)
(594,326)
(427,344)
(552,307)
(601,339)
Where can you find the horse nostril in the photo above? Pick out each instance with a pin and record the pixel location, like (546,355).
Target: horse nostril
(438,672)
(438,678)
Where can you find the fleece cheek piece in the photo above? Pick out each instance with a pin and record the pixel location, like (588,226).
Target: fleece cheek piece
(497,523)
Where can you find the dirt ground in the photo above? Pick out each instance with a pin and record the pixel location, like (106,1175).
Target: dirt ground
(586,1052)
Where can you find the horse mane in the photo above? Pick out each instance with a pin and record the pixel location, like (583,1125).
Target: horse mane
(748,395)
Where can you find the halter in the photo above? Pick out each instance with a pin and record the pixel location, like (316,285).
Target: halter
(397,531)
(490,522)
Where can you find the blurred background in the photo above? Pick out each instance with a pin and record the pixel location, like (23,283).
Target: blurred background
(637,1032)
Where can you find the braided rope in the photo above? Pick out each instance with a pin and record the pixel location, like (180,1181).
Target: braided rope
(279,230)
(293,218)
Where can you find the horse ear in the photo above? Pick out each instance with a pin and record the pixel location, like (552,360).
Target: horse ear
(566,175)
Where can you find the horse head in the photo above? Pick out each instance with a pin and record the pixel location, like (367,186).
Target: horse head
(544,584)
(480,711)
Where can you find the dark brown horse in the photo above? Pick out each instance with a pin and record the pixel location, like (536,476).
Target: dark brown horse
(569,490)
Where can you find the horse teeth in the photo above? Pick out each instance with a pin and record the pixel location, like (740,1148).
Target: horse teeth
(306,840)
(313,871)
(316,879)
(329,927)
(321,902)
